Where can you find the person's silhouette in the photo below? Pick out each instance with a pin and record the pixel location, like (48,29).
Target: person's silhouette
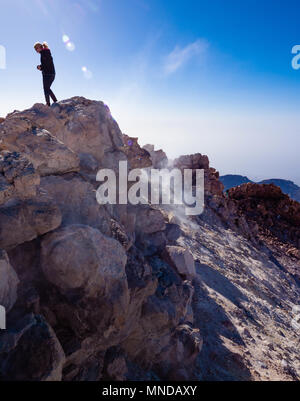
(47,68)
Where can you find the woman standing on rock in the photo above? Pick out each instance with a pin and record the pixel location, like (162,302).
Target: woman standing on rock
(47,68)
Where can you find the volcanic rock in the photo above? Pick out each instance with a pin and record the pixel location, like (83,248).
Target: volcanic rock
(137,292)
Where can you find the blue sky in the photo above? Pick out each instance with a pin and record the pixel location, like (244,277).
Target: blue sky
(213,77)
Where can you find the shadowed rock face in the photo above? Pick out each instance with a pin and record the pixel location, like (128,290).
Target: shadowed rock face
(123,292)
(35,341)
(9,282)
(287,187)
(213,185)
(272,210)
(25,220)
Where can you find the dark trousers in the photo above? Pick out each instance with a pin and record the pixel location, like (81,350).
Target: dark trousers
(47,82)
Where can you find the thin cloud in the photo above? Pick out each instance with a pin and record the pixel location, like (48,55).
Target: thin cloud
(133,88)
(180,56)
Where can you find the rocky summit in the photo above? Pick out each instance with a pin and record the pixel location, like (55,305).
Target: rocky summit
(137,292)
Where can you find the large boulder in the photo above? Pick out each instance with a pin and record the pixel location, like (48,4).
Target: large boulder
(76,199)
(181,259)
(176,361)
(149,220)
(79,256)
(87,127)
(195,161)
(86,271)
(30,351)
(47,154)
(84,126)
(29,219)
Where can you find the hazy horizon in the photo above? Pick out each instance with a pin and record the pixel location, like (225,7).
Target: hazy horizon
(213,78)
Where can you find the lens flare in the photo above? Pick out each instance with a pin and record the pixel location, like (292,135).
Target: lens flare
(70,46)
(65,38)
(86,73)
(68,43)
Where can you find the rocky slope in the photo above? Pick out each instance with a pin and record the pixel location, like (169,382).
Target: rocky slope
(288,187)
(124,292)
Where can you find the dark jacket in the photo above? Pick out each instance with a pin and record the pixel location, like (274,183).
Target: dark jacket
(47,62)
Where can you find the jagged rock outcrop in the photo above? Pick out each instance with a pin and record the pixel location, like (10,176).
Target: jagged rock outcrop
(212,184)
(287,187)
(18,177)
(46,153)
(271,209)
(277,218)
(91,278)
(216,203)
(137,157)
(136,292)
(158,157)
(77,126)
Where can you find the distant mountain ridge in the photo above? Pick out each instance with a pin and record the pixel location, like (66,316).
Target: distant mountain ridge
(233,180)
(288,187)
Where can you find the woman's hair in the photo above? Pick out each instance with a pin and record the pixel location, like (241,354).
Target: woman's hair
(44,45)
